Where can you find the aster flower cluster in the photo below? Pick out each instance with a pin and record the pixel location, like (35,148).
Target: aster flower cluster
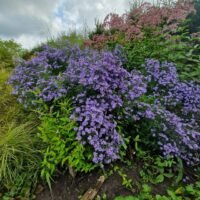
(177,137)
(40,77)
(162,75)
(171,91)
(177,107)
(107,88)
(185,95)
(98,129)
(102,86)
(103,72)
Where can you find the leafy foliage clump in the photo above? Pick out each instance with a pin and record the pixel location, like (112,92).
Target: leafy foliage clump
(61,145)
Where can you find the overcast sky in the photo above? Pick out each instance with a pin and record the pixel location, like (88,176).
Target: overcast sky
(32,21)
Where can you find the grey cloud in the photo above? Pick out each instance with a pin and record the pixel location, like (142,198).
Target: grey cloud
(27,6)
(15,26)
(25,16)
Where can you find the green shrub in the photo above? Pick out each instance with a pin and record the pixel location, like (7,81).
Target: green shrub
(194,24)
(179,49)
(60,41)
(9,51)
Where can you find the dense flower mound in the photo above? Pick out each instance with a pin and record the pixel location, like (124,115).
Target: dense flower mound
(98,128)
(39,77)
(171,91)
(104,93)
(177,107)
(106,87)
(177,137)
(103,74)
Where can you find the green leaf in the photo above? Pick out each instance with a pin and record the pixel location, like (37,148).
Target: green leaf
(180,172)
(159,178)
(168,175)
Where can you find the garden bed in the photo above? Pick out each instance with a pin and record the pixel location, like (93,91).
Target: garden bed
(123,105)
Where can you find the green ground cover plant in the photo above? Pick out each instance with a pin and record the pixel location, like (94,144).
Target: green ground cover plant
(61,146)
(190,191)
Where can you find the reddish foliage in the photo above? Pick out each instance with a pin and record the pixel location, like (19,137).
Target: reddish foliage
(133,23)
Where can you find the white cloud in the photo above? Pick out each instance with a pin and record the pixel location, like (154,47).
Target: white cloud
(29,41)
(89,10)
(32,21)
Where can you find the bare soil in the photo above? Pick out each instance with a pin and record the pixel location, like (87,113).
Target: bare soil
(67,188)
